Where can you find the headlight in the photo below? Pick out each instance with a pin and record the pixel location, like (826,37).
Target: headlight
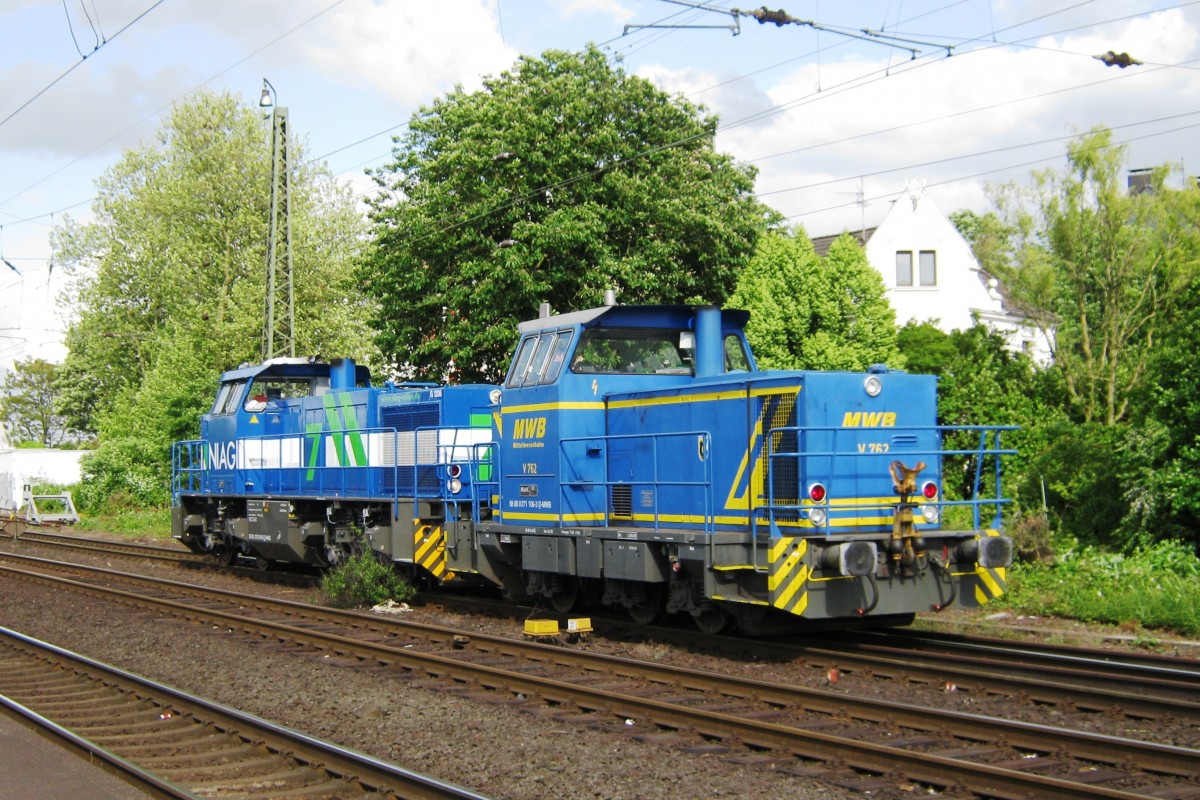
(816,516)
(930,513)
(494,397)
(987,551)
(454,485)
(873,386)
(853,559)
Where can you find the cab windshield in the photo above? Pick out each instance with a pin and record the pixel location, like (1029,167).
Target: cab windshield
(633,351)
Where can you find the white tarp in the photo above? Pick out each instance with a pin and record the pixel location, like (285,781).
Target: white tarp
(19,466)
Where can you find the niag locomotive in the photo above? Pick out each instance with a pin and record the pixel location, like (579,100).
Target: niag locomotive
(634,456)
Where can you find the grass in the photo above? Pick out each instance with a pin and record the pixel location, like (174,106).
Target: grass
(135,523)
(1156,588)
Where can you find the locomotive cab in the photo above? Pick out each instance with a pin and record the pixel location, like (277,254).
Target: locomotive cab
(643,452)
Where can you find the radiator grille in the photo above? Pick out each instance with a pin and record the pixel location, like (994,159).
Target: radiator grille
(622,501)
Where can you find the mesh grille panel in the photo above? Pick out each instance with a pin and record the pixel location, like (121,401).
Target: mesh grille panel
(781,449)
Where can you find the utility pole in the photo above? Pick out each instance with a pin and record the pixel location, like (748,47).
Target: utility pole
(279,337)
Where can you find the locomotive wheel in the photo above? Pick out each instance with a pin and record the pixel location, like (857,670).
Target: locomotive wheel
(226,556)
(262,563)
(645,606)
(711,619)
(567,597)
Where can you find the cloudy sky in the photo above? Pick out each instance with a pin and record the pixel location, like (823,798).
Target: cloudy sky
(951,95)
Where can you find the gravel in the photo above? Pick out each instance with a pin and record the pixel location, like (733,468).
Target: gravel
(500,750)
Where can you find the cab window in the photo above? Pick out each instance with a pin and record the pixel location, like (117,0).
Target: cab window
(632,351)
(229,398)
(222,397)
(541,357)
(557,356)
(269,390)
(735,355)
(521,362)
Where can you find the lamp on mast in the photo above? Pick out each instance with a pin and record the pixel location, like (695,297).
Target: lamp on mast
(279,337)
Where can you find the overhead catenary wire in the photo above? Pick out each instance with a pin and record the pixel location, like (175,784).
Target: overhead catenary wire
(73,67)
(447,224)
(778,109)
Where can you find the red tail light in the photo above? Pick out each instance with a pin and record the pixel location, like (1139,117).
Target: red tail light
(816,492)
(930,490)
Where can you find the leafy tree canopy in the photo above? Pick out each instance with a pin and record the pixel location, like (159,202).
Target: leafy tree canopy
(177,252)
(557,180)
(168,282)
(808,312)
(27,405)
(1098,269)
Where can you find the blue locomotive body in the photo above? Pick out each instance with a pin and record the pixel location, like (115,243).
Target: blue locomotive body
(634,456)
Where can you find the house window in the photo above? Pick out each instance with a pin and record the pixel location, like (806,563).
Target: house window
(904,275)
(928,268)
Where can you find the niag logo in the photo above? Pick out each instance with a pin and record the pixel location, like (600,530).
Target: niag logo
(869,419)
(222,455)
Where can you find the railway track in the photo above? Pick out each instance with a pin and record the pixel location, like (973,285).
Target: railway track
(174,745)
(852,741)
(1076,679)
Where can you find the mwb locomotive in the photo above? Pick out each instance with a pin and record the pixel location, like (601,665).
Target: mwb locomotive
(634,456)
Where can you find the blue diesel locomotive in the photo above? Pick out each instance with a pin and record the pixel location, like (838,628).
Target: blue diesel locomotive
(634,456)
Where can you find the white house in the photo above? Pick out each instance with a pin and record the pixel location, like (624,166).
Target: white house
(931,274)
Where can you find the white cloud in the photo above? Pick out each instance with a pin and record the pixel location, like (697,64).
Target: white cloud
(610,8)
(412,51)
(889,122)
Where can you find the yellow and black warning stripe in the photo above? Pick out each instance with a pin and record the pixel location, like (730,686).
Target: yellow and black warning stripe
(788,578)
(992,580)
(429,550)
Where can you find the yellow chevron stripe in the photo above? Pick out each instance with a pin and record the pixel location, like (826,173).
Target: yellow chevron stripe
(800,606)
(423,546)
(429,551)
(990,583)
(785,597)
(776,551)
(782,572)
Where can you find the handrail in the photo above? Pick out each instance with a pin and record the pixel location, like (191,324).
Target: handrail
(981,452)
(704,445)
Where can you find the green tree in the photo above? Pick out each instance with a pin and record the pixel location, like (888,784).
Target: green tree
(1099,269)
(168,282)
(981,382)
(557,180)
(28,399)
(808,312)
(1167,497)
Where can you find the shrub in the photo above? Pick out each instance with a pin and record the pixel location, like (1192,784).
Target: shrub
(364,581)
(1153,587)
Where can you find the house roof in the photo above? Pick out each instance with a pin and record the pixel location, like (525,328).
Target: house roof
(822,243)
